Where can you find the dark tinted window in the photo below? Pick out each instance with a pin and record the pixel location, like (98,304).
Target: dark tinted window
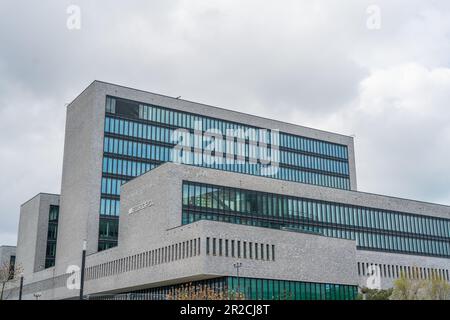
(127,109)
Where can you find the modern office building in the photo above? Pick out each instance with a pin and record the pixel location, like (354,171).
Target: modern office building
(167,192)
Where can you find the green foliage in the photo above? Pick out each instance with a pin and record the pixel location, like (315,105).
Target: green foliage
(374,294)
(413,288)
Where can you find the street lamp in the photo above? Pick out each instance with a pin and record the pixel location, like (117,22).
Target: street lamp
(21,286)
(237,266)
(83,262)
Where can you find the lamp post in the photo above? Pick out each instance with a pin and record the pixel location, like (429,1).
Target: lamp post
(21,286)
(83,262)
(237,266)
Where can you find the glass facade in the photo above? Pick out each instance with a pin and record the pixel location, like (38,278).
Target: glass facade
(138,137)
(248,289)
(372,229)
(12,266)
(52,236)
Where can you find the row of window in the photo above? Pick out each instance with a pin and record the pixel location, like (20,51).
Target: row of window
(174,252)
(396,271)
(109,228)
(391,243)
(230,288)
(189,216)
(190,121)
(314,163)
(240,249)
(164,154)
(312,178)
(314,146)
(165,135)
(364,240)
(272,170)
(294,208)
(137,149)
(126,167)
(371,228)
(257,289)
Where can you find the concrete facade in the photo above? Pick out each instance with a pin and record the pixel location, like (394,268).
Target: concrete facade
(83,151)
(33,228)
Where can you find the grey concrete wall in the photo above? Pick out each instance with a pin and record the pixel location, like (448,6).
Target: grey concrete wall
(296,259)
(81,178)
(32,236)
(27,235)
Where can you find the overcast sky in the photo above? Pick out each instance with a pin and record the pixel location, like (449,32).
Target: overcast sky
(331,65)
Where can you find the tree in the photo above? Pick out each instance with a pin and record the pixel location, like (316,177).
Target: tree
(7,275)
(437,288)
(434,287)
(203,292)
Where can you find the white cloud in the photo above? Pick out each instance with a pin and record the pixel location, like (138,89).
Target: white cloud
(402,121)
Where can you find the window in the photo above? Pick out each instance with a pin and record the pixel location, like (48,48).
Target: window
(369,227)
(127,108)
(232,248)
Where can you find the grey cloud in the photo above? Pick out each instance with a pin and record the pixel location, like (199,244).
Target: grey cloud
(311,63)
